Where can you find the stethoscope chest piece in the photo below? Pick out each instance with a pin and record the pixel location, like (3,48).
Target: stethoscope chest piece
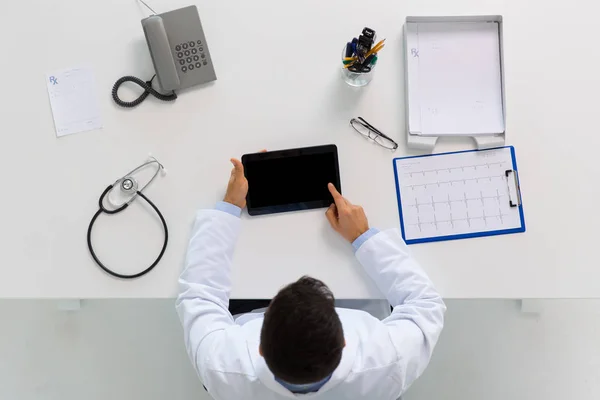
(127,187)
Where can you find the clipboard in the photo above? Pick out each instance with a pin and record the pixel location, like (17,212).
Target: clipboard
(459,195)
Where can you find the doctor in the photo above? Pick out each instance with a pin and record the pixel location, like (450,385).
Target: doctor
(302,344)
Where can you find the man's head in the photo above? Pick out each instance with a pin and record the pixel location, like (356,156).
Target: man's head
(302,337)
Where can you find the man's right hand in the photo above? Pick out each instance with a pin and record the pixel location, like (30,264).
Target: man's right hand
(345,218)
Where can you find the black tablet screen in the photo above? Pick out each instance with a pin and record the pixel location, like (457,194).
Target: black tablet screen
(291,180)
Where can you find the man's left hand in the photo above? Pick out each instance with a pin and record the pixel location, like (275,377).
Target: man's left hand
(237,188)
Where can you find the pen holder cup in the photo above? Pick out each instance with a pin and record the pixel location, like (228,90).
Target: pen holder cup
(356,79)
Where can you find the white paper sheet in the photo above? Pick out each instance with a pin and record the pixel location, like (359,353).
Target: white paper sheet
(73,100)
(455,85)
(456,194)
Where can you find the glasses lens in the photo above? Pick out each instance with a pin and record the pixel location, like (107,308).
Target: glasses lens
(383,142)
(360,128)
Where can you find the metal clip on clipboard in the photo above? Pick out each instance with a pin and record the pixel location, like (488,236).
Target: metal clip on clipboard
(514,190)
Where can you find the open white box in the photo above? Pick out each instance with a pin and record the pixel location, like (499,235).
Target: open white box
(454,76)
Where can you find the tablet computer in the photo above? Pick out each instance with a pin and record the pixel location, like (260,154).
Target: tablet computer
(291,180)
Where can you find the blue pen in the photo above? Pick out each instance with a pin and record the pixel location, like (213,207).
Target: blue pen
(355,46)
(349,49)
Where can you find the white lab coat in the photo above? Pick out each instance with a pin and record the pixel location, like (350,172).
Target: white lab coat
(381,358)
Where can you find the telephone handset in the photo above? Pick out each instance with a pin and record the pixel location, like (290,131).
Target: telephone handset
(160,51)
(179,53)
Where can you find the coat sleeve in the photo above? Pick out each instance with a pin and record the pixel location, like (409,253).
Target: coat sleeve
(205,284)
(418,316)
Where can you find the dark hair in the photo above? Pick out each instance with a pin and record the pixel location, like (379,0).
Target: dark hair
(302,337)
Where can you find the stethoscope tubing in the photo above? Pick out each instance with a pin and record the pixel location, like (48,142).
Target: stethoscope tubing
(102,209)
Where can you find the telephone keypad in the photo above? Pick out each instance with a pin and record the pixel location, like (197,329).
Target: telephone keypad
(190,55)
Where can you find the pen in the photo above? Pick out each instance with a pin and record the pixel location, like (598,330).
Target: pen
(348,50)
(368,61)
(349,60)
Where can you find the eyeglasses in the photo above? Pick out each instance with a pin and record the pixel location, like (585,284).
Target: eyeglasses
(370,132)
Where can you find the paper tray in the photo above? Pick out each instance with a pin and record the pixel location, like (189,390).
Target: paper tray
(454,80)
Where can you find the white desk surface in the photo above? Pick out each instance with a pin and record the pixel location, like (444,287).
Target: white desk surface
(268,94)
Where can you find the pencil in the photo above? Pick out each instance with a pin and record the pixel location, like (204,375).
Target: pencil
(376,48)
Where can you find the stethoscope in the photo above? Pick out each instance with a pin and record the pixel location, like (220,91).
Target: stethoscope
(129,186)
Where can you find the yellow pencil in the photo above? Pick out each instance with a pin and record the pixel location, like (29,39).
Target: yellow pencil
(376,48)
(379,44)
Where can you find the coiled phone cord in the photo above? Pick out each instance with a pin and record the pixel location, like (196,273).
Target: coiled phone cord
(148,90)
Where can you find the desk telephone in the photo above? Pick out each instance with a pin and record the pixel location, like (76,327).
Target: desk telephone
(179,53)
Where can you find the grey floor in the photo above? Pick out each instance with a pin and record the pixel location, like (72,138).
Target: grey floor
(132,349)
